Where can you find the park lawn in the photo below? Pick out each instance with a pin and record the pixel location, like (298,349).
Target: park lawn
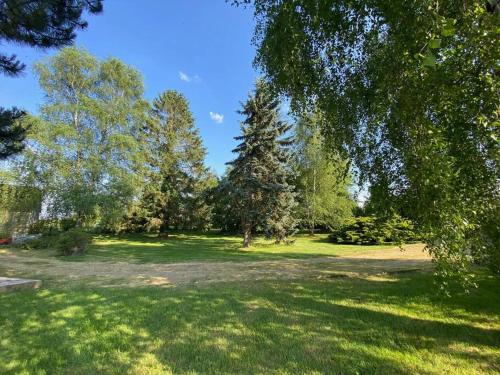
(186,247)
(379,325)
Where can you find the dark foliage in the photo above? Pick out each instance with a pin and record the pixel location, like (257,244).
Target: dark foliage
(73,242)
(12,134)
(370,230)
(41,23)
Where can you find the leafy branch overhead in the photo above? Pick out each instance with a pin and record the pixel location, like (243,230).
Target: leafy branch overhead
(409,91)
(41,23)
(35,23)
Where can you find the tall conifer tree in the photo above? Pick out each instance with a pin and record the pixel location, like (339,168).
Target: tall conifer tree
(178,173)
(261,172)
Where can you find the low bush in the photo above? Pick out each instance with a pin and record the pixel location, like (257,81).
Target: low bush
(40,243)
(44,227)
(370,230)
(73,242)
(67,224)
(5,233)
(51,226)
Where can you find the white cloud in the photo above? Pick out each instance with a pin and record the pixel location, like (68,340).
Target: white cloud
(184,77)
(187,78)
(217,117)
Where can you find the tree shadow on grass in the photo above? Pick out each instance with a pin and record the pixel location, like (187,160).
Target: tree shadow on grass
(340,326)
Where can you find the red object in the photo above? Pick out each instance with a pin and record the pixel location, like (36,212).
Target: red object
(5,241)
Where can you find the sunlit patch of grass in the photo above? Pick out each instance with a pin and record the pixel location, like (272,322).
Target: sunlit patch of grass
(393,325)
(186,247)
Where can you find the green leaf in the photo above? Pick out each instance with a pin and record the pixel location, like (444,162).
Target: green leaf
(430,60)
(448,27)
(435,43)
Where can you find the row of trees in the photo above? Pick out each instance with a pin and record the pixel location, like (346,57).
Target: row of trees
(104,157)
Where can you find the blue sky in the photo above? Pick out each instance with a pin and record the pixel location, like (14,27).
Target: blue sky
(200,48)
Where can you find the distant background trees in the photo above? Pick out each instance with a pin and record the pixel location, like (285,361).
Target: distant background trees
(102,158)
(322,178)
(106,159)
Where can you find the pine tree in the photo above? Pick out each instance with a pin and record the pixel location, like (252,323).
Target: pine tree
(178,175)
(261,172)
(12,134)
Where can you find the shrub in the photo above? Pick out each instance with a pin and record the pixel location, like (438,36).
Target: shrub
(51,226)
(370,230)
(44,227)
(67,224)
(73,242)
(44,242)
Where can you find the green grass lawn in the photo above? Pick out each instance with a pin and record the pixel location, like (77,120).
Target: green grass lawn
(392,325)
(184,247)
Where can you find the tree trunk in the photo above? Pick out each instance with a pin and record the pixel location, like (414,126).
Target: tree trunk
(247,235)
(313,213)
(164,227)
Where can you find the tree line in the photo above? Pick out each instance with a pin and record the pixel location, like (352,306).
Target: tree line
(103,156)
(407,92)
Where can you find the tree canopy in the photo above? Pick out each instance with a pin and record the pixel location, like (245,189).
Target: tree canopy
(410,93)
(36,23)
(85,152)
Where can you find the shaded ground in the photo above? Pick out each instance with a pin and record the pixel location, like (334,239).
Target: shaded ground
(277,316)
(368,262)
(393,324)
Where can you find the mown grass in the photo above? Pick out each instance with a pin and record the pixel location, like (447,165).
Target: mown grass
(185,247)
(392,325)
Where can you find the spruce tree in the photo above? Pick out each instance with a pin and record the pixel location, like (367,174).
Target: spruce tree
(261,172)
(178,175)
